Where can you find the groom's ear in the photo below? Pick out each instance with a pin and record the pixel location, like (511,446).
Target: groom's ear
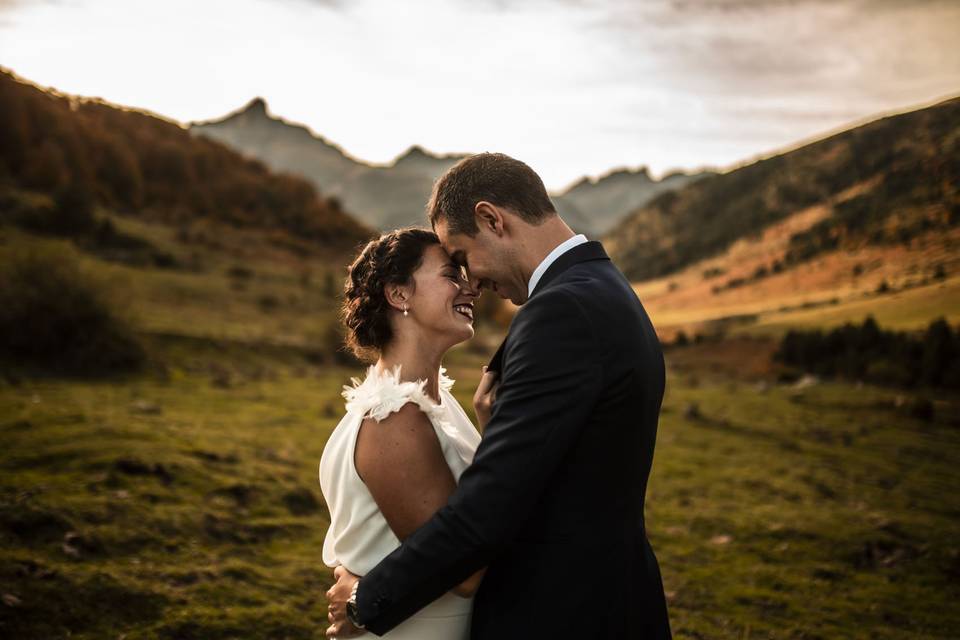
(490,218)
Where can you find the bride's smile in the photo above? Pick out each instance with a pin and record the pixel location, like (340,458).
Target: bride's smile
(465,309)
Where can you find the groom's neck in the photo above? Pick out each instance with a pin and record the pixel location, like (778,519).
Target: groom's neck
(538,241)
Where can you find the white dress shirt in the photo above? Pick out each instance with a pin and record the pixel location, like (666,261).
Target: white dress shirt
(558,251)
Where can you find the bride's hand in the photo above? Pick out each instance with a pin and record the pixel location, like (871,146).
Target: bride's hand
(485,396)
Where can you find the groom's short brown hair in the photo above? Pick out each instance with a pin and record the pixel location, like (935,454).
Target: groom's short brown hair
(494,177)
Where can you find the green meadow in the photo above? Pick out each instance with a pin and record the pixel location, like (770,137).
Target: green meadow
(182,501)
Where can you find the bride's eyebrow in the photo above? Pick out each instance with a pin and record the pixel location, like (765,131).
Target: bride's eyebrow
(459,259)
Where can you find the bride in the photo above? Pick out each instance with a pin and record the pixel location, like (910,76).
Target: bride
(395,457)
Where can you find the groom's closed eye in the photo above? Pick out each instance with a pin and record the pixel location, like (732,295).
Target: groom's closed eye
(460,259)
(454,272)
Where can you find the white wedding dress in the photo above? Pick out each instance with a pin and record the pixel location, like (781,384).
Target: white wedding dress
(359,536)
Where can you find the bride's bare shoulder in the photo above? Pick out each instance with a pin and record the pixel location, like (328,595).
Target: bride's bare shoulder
(388,449)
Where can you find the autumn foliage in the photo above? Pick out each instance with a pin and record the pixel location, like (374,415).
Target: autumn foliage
(137,163)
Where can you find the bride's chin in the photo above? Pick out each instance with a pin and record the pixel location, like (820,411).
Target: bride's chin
(461,335)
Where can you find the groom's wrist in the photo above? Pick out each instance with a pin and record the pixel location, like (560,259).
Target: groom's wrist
(353,612)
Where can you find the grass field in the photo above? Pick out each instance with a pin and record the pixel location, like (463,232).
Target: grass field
(181,508)
(909,309)
(183,502)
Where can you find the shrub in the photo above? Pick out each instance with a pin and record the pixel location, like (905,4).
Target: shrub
(56,318)
(268,302)
(73,208)
(240,272)
(69,213)
(867,352)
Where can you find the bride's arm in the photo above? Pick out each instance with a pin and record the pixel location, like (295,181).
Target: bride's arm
(400,461)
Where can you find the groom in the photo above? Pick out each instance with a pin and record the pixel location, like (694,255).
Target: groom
(553,503)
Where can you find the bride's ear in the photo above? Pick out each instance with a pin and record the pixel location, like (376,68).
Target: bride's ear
(398,296)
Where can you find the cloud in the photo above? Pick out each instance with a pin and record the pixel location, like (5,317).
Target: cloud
(659,82)
(329,4)
(12,5)
(786,47)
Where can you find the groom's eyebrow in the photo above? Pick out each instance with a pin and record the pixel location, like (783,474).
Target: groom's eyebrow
(459,259)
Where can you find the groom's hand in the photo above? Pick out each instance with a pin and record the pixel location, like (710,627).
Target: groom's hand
(337,597)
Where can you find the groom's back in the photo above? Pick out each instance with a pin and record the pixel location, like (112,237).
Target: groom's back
(588,525)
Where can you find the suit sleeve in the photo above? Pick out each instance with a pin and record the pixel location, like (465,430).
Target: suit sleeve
(550,383)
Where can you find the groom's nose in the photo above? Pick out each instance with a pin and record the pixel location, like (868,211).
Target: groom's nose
(476,284)
(470,287)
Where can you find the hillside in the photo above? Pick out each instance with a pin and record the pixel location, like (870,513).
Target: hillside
(882,184)
(603,202)
(735,292)
(139,164)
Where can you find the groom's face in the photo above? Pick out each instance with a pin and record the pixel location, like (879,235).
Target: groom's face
(488,264)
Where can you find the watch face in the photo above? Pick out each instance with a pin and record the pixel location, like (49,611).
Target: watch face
(352,613)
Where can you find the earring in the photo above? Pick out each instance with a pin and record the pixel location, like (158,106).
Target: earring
(405,310)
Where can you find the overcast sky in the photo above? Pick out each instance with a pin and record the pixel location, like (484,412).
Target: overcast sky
(572,87)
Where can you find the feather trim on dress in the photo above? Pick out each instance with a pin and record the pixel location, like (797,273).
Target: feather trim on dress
(381,394)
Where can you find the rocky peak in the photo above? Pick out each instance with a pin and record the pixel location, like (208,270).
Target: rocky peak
(257,106)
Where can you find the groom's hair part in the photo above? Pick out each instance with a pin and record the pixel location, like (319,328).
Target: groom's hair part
(493,177)
(390,259)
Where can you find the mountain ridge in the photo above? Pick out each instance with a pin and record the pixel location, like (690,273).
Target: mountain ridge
(394,194)
(909,161)
(383,196)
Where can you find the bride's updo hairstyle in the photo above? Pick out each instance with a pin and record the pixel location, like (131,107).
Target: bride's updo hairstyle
(390,259)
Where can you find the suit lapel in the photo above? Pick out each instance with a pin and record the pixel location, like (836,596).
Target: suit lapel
(590,250)
(496,362)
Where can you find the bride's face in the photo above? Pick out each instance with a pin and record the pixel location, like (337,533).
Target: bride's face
(442,298)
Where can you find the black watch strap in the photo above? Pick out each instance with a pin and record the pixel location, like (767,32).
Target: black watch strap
(353,612)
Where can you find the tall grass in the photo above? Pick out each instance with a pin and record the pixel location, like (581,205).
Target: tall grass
(57,317)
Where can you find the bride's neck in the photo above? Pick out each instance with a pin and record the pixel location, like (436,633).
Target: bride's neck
(418,361)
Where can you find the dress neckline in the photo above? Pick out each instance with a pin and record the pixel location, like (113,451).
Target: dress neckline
(382,392)
(392,376)
(443,382)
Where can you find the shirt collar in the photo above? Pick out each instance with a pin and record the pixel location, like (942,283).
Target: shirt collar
(558,251)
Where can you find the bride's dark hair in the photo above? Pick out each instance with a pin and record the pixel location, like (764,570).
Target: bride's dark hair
(390,259)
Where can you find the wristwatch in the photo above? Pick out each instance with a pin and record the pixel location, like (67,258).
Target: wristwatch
(353,613)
